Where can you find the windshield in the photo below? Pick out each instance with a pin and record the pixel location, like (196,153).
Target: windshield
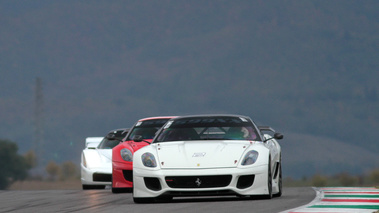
(108,144)
(208,128)
(146,129)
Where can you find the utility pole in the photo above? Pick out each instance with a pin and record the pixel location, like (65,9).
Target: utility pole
(38,142)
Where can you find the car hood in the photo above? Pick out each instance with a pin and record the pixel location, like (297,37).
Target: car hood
(96,158)
(138,145)
(201,154)
(105,154)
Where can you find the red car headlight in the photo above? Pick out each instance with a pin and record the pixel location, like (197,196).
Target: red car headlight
(126,155)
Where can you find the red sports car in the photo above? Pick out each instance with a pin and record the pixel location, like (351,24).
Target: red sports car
(140,135)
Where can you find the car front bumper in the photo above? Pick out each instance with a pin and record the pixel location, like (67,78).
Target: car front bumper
(155,183)
(122,174)
(96,176)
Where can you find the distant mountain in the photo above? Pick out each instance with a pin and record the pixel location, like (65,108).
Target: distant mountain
(305,155)
(304,67)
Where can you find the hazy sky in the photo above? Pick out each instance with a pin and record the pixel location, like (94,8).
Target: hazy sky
(303,67)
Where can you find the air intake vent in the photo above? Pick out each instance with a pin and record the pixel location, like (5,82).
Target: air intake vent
(198,181)
(102,177)
(245,181)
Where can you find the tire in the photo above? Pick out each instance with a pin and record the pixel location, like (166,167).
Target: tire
(269,181)
(89,187)
(143,200)
(279,194)
(122,190)
(269,185)
(164,199)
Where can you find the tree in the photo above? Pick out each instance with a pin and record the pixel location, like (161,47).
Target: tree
(69,170)
(53,170)
(319,180)
(31,159)
(347,180)
(13,166)
(374,176)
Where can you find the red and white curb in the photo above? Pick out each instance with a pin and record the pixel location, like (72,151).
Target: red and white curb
(342,199)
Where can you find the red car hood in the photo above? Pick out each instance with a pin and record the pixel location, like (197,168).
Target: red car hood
(138,145)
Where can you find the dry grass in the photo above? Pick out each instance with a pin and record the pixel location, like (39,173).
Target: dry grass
(46,185)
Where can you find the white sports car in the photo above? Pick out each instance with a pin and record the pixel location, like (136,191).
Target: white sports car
(96,159)
(208,155)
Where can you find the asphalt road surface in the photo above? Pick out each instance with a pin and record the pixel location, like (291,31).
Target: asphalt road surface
(105,201)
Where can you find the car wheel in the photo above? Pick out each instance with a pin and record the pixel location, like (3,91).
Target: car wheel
(269,186)
(143,200)
(86,187)
(164,199)
(269,181)
(280,181)
(122,190)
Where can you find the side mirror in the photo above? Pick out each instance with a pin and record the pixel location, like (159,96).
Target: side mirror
(111,137)
(278,136)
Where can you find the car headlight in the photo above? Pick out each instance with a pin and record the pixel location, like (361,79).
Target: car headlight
(250,158)
(126,155)
(84,160)
(148,160)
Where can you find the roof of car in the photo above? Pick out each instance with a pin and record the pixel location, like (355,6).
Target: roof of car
(212,115)
(157,117)
(118,130)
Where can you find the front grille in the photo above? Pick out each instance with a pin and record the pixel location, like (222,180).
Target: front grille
(245,181)
(198,181)
(102,177)
(128,175)
(199,193)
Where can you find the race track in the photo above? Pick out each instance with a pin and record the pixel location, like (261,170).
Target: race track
(105,201)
